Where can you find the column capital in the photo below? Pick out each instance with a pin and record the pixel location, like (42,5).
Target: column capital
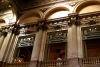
(3,32)
(73,18)
(42,25)
(14,29)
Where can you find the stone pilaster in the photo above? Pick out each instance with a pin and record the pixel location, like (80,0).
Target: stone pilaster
(69,45)
(79,42)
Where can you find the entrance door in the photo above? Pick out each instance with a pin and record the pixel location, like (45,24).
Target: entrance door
(56,50)
(93,47)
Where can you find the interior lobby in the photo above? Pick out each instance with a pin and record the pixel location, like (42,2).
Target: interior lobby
(49,33)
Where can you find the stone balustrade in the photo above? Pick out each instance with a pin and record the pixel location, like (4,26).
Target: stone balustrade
(24,64)
(54,63)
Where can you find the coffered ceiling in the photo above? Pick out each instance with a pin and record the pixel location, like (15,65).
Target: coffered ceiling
(23,5)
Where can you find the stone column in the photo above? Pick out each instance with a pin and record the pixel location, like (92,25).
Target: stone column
(12,49)
(1,40)
(72,40)
(4,47)
(42,49)
(80,45)
(36,48)
(7,53)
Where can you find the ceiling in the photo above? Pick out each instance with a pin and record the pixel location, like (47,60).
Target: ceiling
(22,5)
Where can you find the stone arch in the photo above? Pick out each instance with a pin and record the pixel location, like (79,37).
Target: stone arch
(87,6)
(29,17)
(15,17)
(57,8)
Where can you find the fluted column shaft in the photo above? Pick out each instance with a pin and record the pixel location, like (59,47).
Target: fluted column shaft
(4,46)
(12,49)
(1,41)
(8,48)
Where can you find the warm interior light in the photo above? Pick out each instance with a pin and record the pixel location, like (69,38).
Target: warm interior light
(59,14)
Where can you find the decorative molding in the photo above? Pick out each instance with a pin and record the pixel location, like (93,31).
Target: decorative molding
(91,33)
(90,22)
(56,37)
(58,24)
(26,41)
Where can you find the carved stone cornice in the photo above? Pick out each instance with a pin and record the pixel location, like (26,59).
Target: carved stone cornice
(9,28)
(91,18)
(58,24)
(27,29)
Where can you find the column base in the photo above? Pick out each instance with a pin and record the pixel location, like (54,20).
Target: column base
(73,62)
(33,63)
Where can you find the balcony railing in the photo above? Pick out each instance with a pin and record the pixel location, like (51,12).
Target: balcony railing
(61,63)
(54,63)
(90,61)
(24,64)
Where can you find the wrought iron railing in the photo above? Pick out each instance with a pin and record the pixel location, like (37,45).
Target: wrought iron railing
(54,63)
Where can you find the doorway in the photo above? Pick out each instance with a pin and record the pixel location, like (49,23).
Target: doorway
(56,50)
(92,46)
(24,54)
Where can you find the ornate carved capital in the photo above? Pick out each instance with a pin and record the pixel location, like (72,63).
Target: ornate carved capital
(4,33)
(42,25)
(73,18)
(15,29)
